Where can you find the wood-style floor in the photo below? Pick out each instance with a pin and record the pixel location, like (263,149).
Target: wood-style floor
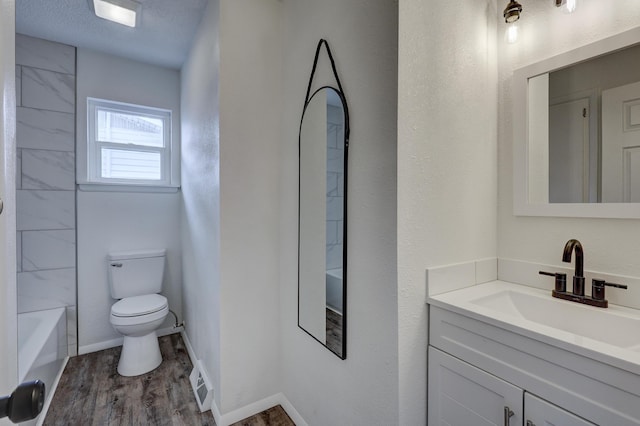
(91,392)
(334,332)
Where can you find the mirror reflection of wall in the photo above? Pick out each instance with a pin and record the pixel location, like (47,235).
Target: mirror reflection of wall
(322,220)
(594,130)
(335,220)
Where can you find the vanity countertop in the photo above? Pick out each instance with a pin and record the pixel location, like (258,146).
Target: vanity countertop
(608,335)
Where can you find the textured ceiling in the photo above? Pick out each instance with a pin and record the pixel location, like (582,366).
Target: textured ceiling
(163,37)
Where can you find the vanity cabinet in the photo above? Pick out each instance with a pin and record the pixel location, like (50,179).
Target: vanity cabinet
(461,394)
(479,373)
(538,412)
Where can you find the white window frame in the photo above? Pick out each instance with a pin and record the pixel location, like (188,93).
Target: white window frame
(94,145)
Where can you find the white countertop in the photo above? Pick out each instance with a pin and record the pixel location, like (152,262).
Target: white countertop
(610,335)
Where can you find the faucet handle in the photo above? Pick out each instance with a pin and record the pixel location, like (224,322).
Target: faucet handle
(561,280)
(597,288)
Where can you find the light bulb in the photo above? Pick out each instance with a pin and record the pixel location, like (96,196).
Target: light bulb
(511,34)
(569,6)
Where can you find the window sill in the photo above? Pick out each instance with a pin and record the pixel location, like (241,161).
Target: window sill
(101,187)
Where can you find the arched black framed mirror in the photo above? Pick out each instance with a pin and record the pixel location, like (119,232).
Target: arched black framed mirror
(322,214)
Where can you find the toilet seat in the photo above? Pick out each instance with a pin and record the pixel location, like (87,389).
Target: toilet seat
(139,305)
(139,310)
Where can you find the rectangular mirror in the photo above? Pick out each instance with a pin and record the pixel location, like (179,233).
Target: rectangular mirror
(577,132)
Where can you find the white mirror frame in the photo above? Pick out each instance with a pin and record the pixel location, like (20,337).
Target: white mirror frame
(521,169)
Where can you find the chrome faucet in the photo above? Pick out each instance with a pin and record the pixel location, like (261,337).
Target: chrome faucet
(578,277)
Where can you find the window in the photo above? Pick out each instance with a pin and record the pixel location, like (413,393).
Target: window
(128,144)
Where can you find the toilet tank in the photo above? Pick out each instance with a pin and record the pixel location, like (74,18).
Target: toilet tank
(135,273)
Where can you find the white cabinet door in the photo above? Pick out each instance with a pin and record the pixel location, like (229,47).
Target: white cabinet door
(463,395)
(540,413)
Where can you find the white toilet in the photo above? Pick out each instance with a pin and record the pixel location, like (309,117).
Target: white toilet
(135,277)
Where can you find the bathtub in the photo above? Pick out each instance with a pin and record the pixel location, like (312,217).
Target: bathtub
(42,347)
(334,289)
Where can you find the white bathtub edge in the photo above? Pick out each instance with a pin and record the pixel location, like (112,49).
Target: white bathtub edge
(50,393)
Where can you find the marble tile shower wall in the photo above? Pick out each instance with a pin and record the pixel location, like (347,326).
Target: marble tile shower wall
(46,217)
(335,186)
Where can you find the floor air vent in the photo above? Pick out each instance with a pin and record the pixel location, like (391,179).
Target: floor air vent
(201,387)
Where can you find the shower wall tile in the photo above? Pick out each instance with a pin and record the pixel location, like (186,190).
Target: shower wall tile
(332,136)
(332,184)
(44,54)
(48,250)
(332,232)
(48,169)
(46,289)
(42,129)
(18,86)
(18,169)
(48,90)
(40,210)
(45,136)
(19,251)
(340,184)
(334,256)
(340,225)
(72,330)
(335,208)
(335,160)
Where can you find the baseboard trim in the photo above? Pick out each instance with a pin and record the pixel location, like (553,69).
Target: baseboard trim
(50,393)
(108,344)
(250,409)
(259,406)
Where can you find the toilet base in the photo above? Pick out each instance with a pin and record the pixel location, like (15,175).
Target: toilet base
(139,355)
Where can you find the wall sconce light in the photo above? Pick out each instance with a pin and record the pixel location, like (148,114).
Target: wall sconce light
(568,6)
(511,16)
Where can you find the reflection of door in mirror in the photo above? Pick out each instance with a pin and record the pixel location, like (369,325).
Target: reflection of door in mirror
(569,151)
(621,155)
(594,150)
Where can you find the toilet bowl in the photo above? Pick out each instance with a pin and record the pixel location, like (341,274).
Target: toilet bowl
(136,279)
(137,319)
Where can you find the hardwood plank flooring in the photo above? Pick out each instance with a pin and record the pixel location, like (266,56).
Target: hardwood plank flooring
(91,392)
(274,416)
(334,331)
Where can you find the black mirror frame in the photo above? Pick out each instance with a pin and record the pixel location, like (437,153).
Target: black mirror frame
(308,97)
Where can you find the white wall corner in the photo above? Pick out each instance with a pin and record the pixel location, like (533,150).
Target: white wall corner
(486,270)
(257,407)
(526,273)
(447,278)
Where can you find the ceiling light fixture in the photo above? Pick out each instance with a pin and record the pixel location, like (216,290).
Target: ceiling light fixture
(511,16)
(121,11)
(512,12)
(568,6)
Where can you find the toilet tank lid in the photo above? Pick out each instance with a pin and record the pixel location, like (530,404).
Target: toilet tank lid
(136,254)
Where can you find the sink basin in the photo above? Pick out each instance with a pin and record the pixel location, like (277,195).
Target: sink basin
(599,324)
(608,335)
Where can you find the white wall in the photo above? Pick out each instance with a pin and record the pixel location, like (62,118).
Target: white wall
(361,390)
(200,222)
(250,136)
(611,245)
(116,221)
(447,99)
(231,137)
(8,296)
